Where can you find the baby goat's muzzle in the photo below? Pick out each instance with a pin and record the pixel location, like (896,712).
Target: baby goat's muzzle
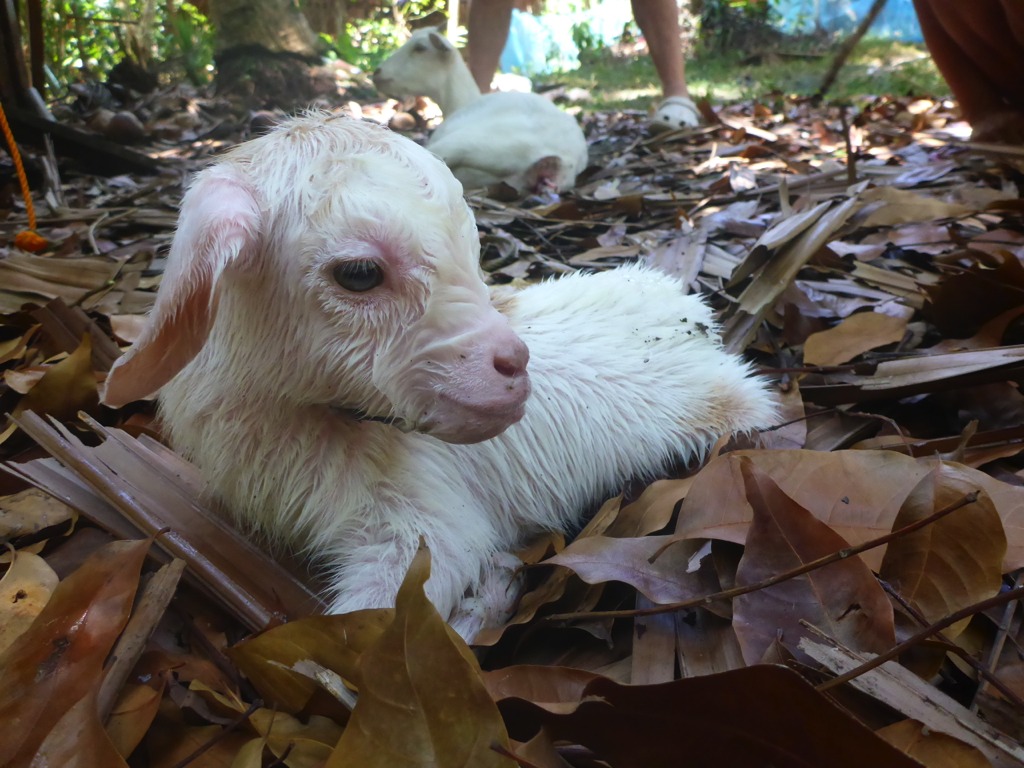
(460,388)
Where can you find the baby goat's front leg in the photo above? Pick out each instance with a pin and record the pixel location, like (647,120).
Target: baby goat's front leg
(470,584)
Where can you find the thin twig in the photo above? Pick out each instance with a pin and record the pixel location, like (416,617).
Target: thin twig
(985,674)
(997,646)
(198,752)
(847,48)
(727,594)
(851,161)
(924,634)
(152,605)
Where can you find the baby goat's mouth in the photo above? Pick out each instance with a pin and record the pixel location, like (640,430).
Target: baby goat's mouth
(459,420)
(451,419)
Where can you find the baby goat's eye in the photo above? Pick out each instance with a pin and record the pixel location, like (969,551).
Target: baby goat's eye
(358,276)
(419,47)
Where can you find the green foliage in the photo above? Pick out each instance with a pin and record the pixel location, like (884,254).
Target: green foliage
(584,38)
(190,37)
(876,67)
(366,42)
(728,24)
(84,39)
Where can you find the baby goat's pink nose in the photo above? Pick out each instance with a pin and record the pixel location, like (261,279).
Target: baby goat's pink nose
(511,362)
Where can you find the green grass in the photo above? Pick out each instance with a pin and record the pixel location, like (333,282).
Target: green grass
(875,67)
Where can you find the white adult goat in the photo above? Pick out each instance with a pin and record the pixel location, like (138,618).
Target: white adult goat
(521,139)
(325,350)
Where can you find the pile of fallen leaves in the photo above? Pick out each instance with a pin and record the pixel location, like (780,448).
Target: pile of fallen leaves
(840,590)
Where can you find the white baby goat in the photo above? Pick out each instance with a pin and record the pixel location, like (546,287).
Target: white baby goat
(325,350)
(521,139)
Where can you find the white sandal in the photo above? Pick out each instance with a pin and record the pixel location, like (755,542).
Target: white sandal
(674,113)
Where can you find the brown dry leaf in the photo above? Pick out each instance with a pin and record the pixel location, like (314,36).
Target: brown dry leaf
(856,493)
(651,564)
(78,740)
(60,658)
(965,300)
(66,388)
(953,562)
(26,276)
(769,282)
(132,715)
(888,206)
(14,349)
(1009,503)
(654,647)
(551,590)
(24,591)
(551,687)
(171,741)
(335,642)
(250,755)
(421,700)
(30,512)
(907,693)
(762,715)
(539,752)
(306,744)
(925,369)
(932,748)
(843,599)
(854,336)
(138,487)
(652,511)
(706,644)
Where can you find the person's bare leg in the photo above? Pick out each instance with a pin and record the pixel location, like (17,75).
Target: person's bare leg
(659,22)
(487,32)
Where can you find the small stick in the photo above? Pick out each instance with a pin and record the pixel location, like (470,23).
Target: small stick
(924,634)
(842,554)
(997,647)
(198,752)
(847,48)
(156,596)
(987,676)
(851,161)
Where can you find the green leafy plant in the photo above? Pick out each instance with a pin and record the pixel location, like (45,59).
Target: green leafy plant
(84,39)
(726,24)
(366,42)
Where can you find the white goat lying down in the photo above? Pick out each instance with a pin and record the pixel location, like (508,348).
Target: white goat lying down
(521,139)
(328,354)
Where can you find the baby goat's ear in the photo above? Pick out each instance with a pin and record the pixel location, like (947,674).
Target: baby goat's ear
(219,227)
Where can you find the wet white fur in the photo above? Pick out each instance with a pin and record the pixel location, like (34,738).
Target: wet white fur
(627,375)
(484,139)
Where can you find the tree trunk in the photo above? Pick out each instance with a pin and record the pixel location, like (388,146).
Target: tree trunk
(264,51)
(276,26)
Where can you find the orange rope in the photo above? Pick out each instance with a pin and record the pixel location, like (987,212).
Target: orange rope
(28,240)
(19,168)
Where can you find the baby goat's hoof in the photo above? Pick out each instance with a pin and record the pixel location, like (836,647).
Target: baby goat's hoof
(495,599)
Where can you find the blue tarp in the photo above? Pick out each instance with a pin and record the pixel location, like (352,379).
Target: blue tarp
(897,21)
(537,45)
(540,44)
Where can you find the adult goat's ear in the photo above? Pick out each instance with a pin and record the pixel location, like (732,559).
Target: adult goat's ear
(219,228)
(440,42)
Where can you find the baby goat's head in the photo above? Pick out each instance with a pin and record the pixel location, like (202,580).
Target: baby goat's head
(333,264)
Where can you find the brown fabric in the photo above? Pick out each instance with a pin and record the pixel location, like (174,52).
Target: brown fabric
(979,48)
